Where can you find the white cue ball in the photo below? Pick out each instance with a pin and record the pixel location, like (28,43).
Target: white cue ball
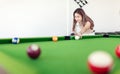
(77,37)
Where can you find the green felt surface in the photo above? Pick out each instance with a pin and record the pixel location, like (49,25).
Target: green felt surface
(61,57)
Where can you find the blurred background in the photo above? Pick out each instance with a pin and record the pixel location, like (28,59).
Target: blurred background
(40,18)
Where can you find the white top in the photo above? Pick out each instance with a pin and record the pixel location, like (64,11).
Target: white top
(78,28)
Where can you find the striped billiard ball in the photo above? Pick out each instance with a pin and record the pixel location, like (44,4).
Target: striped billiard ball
(15,40)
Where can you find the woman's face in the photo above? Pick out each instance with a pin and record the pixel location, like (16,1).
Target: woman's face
(78,17)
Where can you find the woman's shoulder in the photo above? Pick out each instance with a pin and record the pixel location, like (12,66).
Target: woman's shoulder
(90,25)
(87,23)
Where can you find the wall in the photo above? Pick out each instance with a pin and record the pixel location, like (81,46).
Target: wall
(32,18)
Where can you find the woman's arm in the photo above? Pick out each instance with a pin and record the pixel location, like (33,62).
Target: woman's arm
(84,29)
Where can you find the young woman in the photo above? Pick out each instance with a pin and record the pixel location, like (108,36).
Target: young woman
(82,24)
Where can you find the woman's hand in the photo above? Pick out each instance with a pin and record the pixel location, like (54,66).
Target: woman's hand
(75,33)
(80,35)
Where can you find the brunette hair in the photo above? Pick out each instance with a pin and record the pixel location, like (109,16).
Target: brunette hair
(85,18)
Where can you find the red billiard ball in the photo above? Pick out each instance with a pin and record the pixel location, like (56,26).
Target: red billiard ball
(34,51)
(100,62)
(55,38)
(117,51)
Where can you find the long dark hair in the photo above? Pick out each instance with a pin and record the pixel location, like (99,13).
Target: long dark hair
(85,18)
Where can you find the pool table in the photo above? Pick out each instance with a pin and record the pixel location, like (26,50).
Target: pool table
(61,57)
